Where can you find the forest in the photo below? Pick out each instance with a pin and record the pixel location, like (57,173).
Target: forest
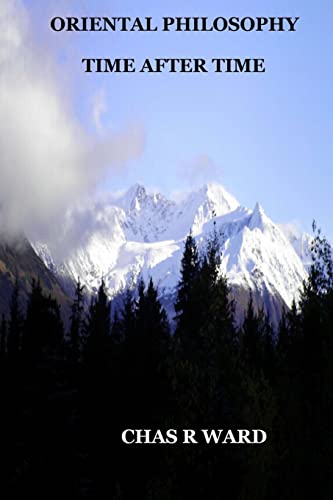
(67,394)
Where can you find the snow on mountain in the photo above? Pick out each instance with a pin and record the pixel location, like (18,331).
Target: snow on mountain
(300,241)
(142,233)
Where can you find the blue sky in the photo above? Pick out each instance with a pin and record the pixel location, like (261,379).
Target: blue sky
(265,137)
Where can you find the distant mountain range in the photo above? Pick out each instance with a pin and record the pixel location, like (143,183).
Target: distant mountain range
(141,233)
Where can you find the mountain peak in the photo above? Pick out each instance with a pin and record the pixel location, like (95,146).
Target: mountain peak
(133,198)
(218,198)
(137,191)
(258,219)
(258,209)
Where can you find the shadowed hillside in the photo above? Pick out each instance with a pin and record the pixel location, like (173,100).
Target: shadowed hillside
(19,260)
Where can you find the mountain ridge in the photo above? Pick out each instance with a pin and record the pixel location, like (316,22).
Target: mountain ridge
(142,233)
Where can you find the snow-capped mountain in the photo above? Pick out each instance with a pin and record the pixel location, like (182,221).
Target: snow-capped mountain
(142,233)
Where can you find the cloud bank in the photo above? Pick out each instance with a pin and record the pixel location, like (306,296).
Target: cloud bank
(47,160)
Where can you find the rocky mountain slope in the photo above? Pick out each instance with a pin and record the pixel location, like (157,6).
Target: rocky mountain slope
(18,260)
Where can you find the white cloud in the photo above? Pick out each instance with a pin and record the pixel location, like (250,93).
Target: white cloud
(47,161)
(11,33)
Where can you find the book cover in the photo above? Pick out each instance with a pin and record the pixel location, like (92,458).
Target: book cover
(166,269)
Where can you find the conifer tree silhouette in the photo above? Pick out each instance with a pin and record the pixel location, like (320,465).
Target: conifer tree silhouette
(43,328)
(187,305)
(77,322)
(98,328)
(15,323)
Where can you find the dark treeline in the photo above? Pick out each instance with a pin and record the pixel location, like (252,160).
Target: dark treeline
(66,397)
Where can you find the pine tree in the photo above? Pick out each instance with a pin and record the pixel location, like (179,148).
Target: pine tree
(140,314)
(151,319)
(252,345)
(127,316)
(314,313)
(77,322)
(146,336)
(269,347)
(145,325)
(294,322)
(15,323)
(98,326)
(97,387)
(187,306)
(306,400)
(219,352)
(283,341)
(210,265)
(43,329)
(320,280)
(205,374)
